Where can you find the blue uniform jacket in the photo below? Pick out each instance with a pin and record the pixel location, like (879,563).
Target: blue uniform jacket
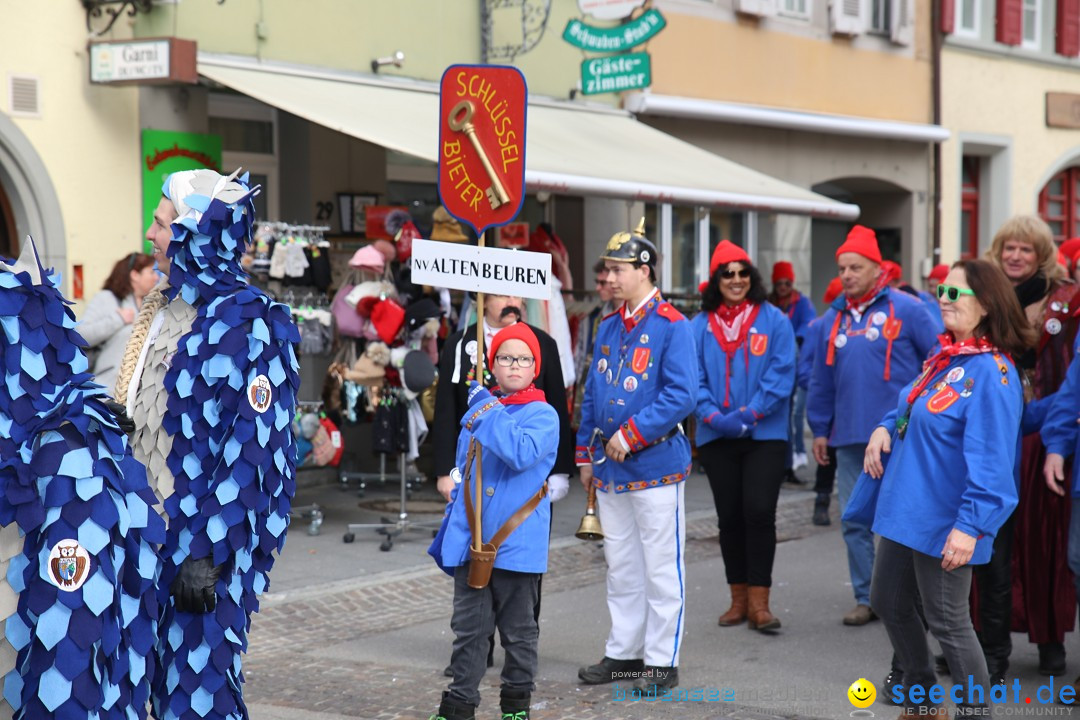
(765,390)
(954,467)
(934,309)
(805,366)
(642,383)
(850,396)
(519,443)
(800,313)
(1059,429)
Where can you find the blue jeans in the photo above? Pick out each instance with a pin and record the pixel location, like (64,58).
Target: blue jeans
(798,420)
(858,537)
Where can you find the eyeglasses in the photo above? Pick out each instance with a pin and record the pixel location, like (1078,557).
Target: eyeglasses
(508,360)
(728,274)
(952,292)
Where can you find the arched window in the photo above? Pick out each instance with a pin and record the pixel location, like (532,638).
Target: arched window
(1059,204)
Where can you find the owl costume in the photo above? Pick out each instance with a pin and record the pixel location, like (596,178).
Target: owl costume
(212,394)
(78,533)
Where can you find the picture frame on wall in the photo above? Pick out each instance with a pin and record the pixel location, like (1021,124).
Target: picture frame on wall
(360,204)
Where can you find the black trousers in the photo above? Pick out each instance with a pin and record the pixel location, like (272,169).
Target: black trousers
(745,477)
(994,581)
(825,476)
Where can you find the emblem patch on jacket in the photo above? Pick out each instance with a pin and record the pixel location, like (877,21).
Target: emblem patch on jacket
(942,400)
(758,344)
(69,565)
(639,363)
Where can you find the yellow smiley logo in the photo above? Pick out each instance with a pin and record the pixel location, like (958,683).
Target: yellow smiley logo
(861,693)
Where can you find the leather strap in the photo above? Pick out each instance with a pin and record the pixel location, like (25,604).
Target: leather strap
(516,519)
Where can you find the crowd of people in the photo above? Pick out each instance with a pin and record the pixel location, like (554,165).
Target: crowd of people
(946,417)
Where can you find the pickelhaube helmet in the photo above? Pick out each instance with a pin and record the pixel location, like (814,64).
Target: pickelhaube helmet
(631,247)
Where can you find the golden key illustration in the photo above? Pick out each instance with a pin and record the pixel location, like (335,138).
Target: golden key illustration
(460,120)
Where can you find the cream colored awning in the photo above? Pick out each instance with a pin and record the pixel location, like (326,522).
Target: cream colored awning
(569,148)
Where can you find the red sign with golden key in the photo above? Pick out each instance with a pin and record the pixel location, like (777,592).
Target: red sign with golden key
(482,143)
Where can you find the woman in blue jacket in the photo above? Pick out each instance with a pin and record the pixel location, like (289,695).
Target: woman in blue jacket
(746,371)
(949,484)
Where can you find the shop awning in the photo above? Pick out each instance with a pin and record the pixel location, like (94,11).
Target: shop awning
(570,149)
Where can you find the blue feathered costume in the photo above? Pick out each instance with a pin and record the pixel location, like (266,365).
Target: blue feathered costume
(78,533)
(212,396)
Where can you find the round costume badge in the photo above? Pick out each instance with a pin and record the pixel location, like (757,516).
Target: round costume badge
(872,334)
(258,394)
(601,366)
(69,565)
(645,256)
(644,338)
(955,375)
(1055,306)
(840,341)
(878,318)
(470,350)
(1053,326)
(630,384)
(608,376)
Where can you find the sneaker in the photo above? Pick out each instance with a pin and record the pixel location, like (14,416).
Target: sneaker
(799,461)
(605,671)
(859,615)
(895,677)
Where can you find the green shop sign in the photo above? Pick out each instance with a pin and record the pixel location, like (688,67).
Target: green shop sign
(632,71)
(614,39)
(165,152)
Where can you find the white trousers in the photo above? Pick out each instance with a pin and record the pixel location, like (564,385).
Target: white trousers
(644,546)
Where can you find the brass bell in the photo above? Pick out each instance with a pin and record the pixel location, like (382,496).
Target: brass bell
(590,527)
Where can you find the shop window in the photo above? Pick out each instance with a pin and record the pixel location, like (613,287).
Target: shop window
(1059,204)
(1030,24)
(969,207)
(881,16)
(248,131)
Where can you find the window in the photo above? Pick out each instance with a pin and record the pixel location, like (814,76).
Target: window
(248,131)
(967,18)
(881,16)
(798,8)
(969,207)
(1030,24)
(1059,204)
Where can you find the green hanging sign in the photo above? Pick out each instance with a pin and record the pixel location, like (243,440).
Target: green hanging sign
(614,39)
(165,152)
(632,71)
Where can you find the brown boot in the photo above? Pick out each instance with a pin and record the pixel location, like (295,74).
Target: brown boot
(736,614)
(758,613)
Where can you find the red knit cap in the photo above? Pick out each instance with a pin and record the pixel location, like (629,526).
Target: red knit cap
(833,291)
(1070,247)
(892,270)
(863,241)
(939,273)
(783,271)
(517,331)
(725,253)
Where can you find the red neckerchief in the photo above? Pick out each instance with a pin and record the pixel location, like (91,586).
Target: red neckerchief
(728,314)
(858,308)
(789,306)
(631,321)
(528,395)
(949,349)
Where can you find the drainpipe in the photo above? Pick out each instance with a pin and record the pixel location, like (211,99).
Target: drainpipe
(937,38)
(485,31)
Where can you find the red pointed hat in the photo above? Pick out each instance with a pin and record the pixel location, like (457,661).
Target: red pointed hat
(783,270)
(517,331)
(725,253)
(833,291)
(1070,247)
(939,273)
(863,241)
(892,270)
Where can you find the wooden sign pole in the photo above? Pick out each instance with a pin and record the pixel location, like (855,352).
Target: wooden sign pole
(478,537)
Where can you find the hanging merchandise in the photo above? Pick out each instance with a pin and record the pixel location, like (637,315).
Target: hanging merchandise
(390,433)
(293,254)
(387,317)
(335,440)
(446,228)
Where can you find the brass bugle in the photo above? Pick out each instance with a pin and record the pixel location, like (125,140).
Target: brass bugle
(590,523)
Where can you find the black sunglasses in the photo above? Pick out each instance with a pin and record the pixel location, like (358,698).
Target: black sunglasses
(728,274)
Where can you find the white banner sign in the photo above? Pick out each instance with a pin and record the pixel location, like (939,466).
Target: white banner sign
(488,270)
(609,9)
(113,62)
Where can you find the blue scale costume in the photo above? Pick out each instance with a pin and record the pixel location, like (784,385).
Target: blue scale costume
(78,534)
(225,356)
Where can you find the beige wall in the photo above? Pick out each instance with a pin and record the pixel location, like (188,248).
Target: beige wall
(973,105)
(87,137)
(706,52)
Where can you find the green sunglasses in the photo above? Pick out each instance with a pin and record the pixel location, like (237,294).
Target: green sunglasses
(952,292)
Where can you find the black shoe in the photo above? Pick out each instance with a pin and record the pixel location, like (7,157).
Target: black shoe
(655,680)
(941,665)
(1051,659)
(821,509)
(605,671)
(450,709)
(514,704)
(895,677)
(997,678)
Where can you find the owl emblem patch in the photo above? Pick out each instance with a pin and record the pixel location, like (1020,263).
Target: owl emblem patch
(69,565)
(258,394)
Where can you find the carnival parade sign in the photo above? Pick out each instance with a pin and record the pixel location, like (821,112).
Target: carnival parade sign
(482,111)
(482,269)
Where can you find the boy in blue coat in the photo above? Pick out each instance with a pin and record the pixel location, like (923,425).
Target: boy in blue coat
(873,341)
(518,432)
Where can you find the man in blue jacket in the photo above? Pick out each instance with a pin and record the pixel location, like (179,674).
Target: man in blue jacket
(873,341)
(630,445)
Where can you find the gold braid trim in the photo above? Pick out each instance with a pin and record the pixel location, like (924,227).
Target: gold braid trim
(154,301)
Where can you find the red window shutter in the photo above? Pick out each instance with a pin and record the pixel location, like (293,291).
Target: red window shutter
(1010,21)
(1068,28)
(948,16)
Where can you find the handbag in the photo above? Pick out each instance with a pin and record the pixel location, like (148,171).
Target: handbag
(862,504)
(349,322)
